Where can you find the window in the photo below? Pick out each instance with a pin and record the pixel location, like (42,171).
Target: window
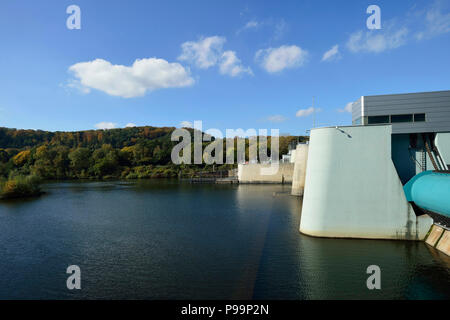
(378,119)
(401,118)
(419,117)
(395,118)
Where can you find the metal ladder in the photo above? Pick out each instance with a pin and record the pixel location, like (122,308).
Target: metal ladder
(424,160)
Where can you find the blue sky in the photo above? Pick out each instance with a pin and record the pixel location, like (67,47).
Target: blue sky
(231,64)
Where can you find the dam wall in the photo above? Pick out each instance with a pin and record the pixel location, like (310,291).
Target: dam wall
(352,189)
(254,173)
(299,175)
(439,238)
(442,141)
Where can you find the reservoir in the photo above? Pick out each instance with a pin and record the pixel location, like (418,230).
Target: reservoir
(162,239)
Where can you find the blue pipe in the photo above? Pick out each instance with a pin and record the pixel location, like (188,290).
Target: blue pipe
(430,191)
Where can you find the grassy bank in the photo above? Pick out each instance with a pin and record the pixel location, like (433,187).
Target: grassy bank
(20,187)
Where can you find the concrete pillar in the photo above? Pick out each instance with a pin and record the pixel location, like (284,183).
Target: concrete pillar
(442,141)
(298,179)
(444,243)
(352,189)
(435,235)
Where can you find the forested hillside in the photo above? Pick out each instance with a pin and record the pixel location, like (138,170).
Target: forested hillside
(138,152)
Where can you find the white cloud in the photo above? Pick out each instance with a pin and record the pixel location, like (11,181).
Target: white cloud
(306,112)
(276,118)
(186,124)
(204,53)
(128,82)
(231,65)
(75,84)
(106,125)
(277,28)
(347,108)
(331,54)
(285,57)
(130,125)
(280,29)
(377,40)
(252,24)
(208,52)
(436,22)
(418,24)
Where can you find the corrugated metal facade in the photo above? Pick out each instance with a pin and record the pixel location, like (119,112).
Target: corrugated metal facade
(435,106)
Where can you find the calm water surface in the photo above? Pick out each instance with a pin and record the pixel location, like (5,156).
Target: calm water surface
(167,240)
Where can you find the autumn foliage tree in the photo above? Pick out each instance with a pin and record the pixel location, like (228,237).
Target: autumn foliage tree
(138,152)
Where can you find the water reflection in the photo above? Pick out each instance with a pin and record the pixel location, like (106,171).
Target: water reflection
(169,240)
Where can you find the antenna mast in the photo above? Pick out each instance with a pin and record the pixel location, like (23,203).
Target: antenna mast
(314,113)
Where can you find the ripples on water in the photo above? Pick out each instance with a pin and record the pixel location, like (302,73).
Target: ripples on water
(165,240)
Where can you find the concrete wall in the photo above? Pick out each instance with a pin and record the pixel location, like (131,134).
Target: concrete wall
(408,161)
(293,155)
(253,173)
(352,189)
(298,179)
(444,243)
(442,141)
(439,238)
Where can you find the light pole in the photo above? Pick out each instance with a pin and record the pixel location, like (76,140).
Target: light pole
(314,113)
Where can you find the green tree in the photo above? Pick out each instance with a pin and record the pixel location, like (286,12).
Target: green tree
(4,157)
(80,160)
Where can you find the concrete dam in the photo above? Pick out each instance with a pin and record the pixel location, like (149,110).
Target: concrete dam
(384,177)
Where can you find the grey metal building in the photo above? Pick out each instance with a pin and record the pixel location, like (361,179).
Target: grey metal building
(408,113)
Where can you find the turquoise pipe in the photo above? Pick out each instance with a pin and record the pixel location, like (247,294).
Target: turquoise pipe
(430,191)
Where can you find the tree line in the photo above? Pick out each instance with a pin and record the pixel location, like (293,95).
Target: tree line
(128,153)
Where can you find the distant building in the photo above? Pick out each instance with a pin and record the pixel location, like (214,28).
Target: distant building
(419,121)
(407,113)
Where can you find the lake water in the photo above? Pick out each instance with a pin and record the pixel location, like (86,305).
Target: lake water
(169,240)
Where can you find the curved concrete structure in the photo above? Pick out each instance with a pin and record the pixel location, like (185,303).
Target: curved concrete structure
(352,188)
(442,141)
(298,179)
